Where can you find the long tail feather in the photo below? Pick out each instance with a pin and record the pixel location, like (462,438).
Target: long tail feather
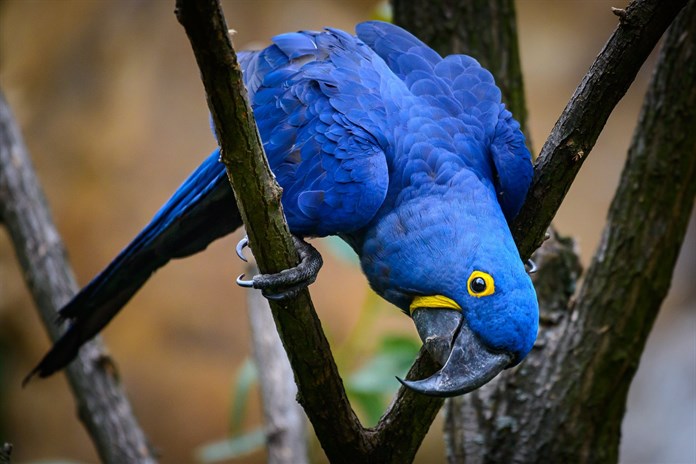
(200,211)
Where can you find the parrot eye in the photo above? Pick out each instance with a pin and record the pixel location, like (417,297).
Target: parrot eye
(480,284)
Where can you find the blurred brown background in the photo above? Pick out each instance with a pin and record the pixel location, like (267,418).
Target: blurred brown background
(113,112)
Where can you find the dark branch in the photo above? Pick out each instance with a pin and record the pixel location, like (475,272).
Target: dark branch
(102,404)
(320,387)
(576,132)
(258,199)
(632,269)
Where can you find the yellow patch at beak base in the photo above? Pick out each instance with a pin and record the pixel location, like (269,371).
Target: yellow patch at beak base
(434,302)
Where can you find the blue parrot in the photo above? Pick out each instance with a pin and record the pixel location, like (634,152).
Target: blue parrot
(409,157)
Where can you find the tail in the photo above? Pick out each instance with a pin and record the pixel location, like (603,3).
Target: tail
(200,211)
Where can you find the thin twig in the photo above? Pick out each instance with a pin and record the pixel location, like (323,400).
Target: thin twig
(620,12)
(102,404)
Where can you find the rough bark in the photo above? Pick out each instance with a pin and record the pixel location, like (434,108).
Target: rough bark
(101,402)
(320,389)
(566,402)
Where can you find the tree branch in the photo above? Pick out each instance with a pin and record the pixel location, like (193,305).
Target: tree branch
(102,404)
(581,122)
(320,388)
(632,269)
(258,199)
(565,403)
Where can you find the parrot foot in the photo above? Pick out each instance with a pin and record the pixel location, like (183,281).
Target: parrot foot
(243,243)
(288,282)
(530,266)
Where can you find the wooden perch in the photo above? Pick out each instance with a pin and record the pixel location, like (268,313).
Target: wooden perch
(320,389)
(582,120)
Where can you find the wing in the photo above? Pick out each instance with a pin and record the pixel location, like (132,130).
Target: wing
(508,162)
(316,100)
(513,165)
(491,141)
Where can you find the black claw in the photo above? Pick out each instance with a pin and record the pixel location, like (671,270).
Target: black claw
(402,381)
(244,283)
(288,282)
(531,266)
(243,243)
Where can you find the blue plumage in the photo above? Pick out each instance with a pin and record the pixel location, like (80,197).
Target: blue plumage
(410,157)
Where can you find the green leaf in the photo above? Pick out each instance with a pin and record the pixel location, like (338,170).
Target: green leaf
(371,405)
(393,357)
(373,384)
(383,11)
(341,249)
(247,377)
(233,447)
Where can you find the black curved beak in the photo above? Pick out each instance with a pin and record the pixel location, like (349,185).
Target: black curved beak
(467,362)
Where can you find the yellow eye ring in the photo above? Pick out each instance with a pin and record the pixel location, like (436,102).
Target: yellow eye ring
(480,284)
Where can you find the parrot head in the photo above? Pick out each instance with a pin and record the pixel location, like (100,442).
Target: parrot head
(449,260)
(488,325)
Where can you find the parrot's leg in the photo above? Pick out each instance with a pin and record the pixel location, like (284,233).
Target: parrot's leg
(288,282)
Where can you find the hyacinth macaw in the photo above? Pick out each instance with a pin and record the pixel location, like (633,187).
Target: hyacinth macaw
(409,157)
